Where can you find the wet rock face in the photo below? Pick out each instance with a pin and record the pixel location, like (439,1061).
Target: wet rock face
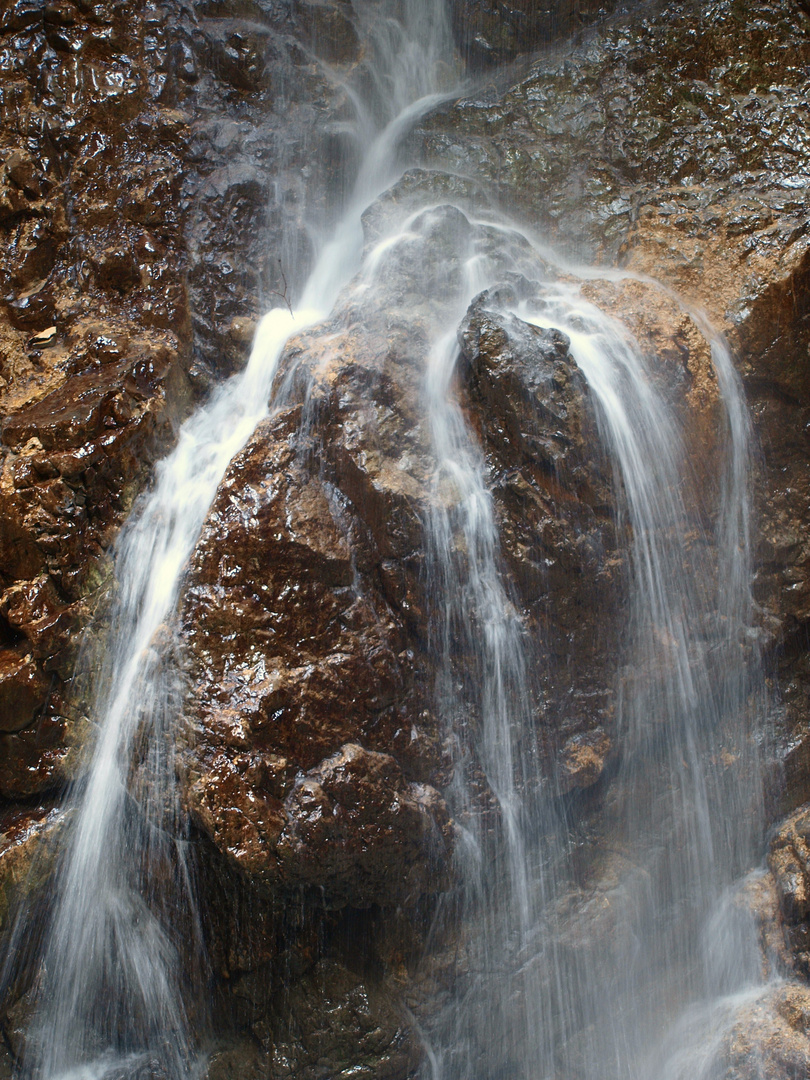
(27,851)
(556,496)
(357,829)
(306,612)
(153,168)
(550,483)
(265,147)
(312,755)
(363,1035)
(331,1015)
(769,1039)
(305,617)
(136,164)
(526,385)
(490,33)
(93,340)
(313,758)
(659,116)
(672,143)
(789,862)
(31,836)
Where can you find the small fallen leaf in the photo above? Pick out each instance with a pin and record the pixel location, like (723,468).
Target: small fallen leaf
(43,338)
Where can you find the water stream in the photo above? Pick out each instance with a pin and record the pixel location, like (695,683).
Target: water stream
(590,992)
(113,997)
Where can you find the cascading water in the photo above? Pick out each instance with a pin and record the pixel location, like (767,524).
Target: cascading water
(688,818)
(549,987)
(475,609)
(685,809)
(546,989)
(112,993)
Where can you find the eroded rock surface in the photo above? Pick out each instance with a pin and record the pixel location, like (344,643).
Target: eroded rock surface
(789,862)
(135,168)
(93,340)
(305,621)
(769,1038)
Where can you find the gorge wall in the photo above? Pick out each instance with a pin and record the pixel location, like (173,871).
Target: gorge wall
(155,159)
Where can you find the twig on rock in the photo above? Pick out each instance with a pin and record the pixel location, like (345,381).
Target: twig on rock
(283,295)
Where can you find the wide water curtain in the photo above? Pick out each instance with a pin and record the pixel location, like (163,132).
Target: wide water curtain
(554,975)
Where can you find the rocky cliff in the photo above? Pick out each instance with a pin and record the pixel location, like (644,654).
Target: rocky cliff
(155,160)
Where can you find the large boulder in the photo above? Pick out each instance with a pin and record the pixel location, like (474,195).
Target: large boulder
(306,619)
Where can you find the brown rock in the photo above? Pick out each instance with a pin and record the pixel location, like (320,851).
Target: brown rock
(306,610)
(644,145)
(789,861)
(530,392)
(328,29)
(244,824)
(582,760)
(90,391)
(334,1015)
(758,897)
(28,849)
(75,455)
(358,831)
(303,615)
(22,690)
(33,762)
(555,503)
(490,33)
(33,608)
(769,1040)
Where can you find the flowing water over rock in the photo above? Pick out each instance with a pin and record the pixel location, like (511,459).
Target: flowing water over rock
(111,1000)
(584,987)
(437,389)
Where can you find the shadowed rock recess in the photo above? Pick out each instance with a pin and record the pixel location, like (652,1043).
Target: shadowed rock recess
(154,164)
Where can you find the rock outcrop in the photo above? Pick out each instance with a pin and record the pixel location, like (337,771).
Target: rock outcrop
(673,144)
(134,171)
(93,342)
(308,573)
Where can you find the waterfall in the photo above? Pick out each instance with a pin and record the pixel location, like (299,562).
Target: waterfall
(112,994)
(474,607)
(688,822)
(690,827)
(545,989)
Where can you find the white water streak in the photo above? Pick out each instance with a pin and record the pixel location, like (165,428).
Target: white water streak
(111,978)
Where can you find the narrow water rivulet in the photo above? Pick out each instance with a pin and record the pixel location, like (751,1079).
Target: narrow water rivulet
(623,950)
